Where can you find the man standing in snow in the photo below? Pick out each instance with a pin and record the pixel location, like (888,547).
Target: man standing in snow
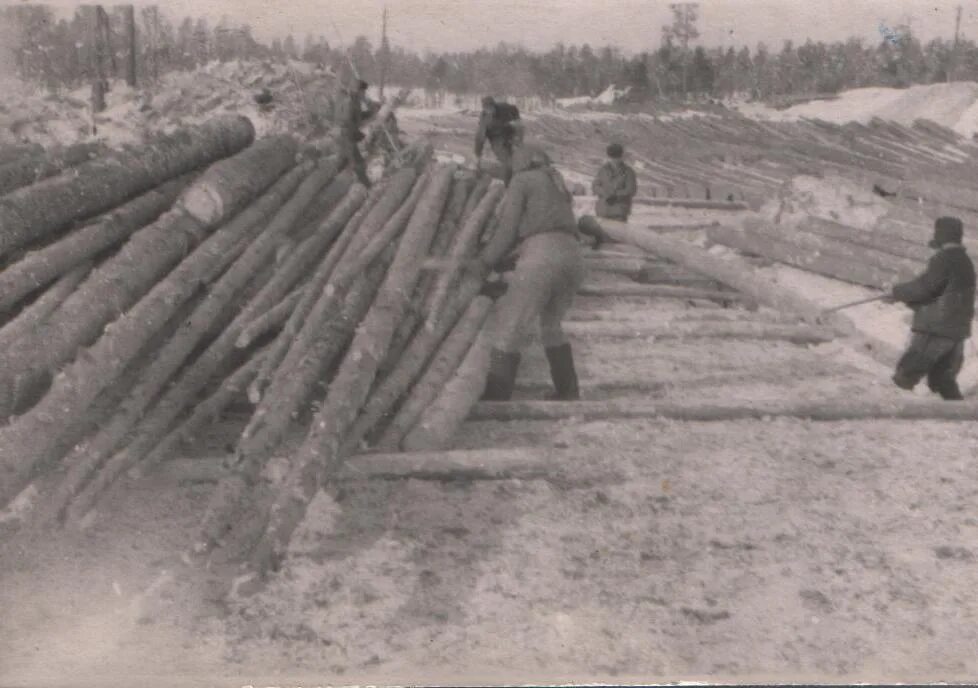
(615,186)
(500,123)
(537,234)
(943,301)
(354,109)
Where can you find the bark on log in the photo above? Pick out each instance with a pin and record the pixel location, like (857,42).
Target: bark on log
(30,170)
(38,268)
(37,211)
(466,244)
(320,453)
(32,316)
(270,319)
(27,441)
(204,414)
(439,371)
(441,420)
(796,334)
(12,152)
(198,374)
(215,308)
(150,253)
(805,258)
(869,239)
(826,411)
(338,272)
(227,500)
(691,203)
(666,292)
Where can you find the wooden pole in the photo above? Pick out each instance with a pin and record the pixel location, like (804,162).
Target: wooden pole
(130,14)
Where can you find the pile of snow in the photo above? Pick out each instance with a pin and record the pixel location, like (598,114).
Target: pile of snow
(301,94)
(953,105)
(609,96)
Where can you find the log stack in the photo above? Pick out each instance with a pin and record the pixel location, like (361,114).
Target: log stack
(252,274)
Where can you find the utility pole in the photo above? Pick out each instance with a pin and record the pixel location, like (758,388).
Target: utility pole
(384,50)
(954,46)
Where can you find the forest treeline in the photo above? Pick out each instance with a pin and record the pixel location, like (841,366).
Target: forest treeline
(61,52)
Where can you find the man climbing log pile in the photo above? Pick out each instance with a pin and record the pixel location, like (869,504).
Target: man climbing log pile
(354,110)
(501,125)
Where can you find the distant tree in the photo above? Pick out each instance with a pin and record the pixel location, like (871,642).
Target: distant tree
(683,30)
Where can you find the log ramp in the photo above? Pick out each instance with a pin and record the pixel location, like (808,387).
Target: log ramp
(274,277)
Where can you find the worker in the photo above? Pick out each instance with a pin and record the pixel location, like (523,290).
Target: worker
(501,125)
(943,301)
(354,109)
(536,235)
(614,186)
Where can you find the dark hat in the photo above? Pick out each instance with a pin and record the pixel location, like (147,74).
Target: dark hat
(947,230)
(615,150)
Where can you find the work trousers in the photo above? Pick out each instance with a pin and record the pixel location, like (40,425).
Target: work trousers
(351,152)
(937,358)
(541,289)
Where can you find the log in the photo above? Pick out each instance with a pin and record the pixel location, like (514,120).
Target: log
(270,319)
(11,152)
(31,317)
(142,262)
(440,421)
(796,334)
(319,455)
(27,440)
(229,497)
(204,414)
(43,266)
(733,272)
(328,286)
(318,211)
(439,371)
(690,203)
(215,308)
(517,463)
(35,212)
(868,239)
(465,245)
(665,292)
(835,410)
(29,170)
(195,377)
(790,254)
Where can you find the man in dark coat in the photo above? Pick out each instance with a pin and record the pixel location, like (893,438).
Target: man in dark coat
(615,186)
(354,109)
(501,125)
(943,301)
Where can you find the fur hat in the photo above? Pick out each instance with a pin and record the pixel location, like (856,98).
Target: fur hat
(947,230)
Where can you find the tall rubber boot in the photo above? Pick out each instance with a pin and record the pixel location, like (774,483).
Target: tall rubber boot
(561,360)
(502,376)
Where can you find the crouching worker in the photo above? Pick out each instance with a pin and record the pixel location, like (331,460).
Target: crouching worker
(537,236)
(943,301)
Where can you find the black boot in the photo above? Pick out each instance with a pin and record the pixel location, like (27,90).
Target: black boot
(502,376)
(561,360)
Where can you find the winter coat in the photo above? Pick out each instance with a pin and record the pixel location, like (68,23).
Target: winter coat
(615,186)
(943,297)
(496,124)
(352,111)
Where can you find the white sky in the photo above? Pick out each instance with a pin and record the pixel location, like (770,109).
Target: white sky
(633,25)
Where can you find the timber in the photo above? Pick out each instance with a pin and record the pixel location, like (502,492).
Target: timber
(439,371)
(34,315)
(28,170)
(664,291)
(835,410)
(39,210)
(215,308)
(270,319)
(28,440)
(796,334)
(320,456)
(690,203)
(40,267)
(442,419)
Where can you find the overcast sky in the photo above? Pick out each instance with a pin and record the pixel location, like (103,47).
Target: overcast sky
(634,25)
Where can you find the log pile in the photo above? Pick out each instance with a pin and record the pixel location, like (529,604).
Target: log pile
(265,276)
